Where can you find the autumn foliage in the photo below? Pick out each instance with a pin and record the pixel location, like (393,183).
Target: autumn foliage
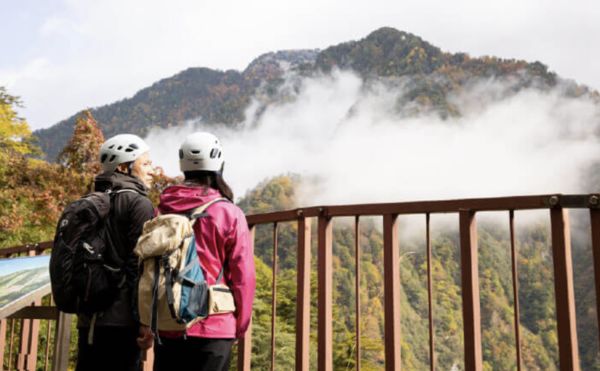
(81,154)
(34,192)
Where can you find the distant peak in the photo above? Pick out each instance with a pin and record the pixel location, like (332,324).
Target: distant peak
(389,31)
(389,35)
(384,52)
(293,57)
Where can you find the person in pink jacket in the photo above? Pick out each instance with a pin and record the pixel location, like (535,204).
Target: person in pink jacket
(222,240)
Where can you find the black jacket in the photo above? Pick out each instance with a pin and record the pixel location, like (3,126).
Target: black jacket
(129,211)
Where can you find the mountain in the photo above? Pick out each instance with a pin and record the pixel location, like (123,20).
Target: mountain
(399,59)
(196,93)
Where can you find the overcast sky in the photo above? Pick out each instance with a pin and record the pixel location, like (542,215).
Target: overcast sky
(62,56)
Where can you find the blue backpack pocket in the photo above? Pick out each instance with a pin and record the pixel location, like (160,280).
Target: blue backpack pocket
(194,290)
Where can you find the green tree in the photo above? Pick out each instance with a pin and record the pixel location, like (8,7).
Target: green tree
(15,135)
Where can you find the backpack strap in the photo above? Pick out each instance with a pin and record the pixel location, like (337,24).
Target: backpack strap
(154,324)
(200,212)
(114,254)
(169,280)
(110,191)
(220,276)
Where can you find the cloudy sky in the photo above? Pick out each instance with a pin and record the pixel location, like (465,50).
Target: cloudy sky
(61,56)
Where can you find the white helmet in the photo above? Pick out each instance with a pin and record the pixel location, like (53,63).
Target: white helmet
(201,151)
(120,149)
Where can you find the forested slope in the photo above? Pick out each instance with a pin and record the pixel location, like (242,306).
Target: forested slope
(427,77)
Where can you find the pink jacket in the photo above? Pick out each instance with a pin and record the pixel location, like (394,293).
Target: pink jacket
(222,236)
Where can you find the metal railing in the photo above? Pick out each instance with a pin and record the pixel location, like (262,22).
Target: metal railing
(467,210)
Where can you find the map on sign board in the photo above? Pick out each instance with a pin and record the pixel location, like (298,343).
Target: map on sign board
(22,277)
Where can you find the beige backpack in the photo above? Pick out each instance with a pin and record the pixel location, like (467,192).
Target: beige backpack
(172,290)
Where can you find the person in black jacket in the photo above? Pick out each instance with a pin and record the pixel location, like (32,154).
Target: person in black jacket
(107,340)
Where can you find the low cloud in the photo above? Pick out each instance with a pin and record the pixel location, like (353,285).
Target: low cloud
(351,145)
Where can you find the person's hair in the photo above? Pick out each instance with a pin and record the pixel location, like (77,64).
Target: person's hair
(125,167)
(211,179)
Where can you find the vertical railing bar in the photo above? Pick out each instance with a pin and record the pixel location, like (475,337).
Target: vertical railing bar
(29,332)
(303,295)
(30,358)
(48,334)
(3,325)
(357,254)
(515,279)
(274,295)
(391,276)
(470,291)
(24,335)
(62,338)
(563,286)
(325,293)
(245,344)
(595,226)
(430,292)
(48,337)
(29,336)
(11,344)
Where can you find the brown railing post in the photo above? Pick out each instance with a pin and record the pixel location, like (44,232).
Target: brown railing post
(303,296)
(245,345)
(357,273)
(62,339)
(325,333)
(563,286)
(2,341)
(595,224)
(470,291)
(430,292)
(515,279)
(48,342)
(274,295)
(25,357)
(391,266)
(11,345)
(30,328)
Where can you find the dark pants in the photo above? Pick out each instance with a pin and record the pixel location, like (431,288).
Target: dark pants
(114,349)
(198,354)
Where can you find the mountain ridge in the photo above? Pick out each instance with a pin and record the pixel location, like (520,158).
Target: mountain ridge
(221,97)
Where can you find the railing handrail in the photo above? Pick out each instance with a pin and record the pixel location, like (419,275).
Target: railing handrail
(37,247)
(433,207)
(546,201)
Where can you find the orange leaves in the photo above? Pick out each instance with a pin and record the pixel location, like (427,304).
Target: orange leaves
(34,192)
(160,182)
(81,154)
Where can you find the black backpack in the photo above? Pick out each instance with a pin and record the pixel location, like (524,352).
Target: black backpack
(86,273)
